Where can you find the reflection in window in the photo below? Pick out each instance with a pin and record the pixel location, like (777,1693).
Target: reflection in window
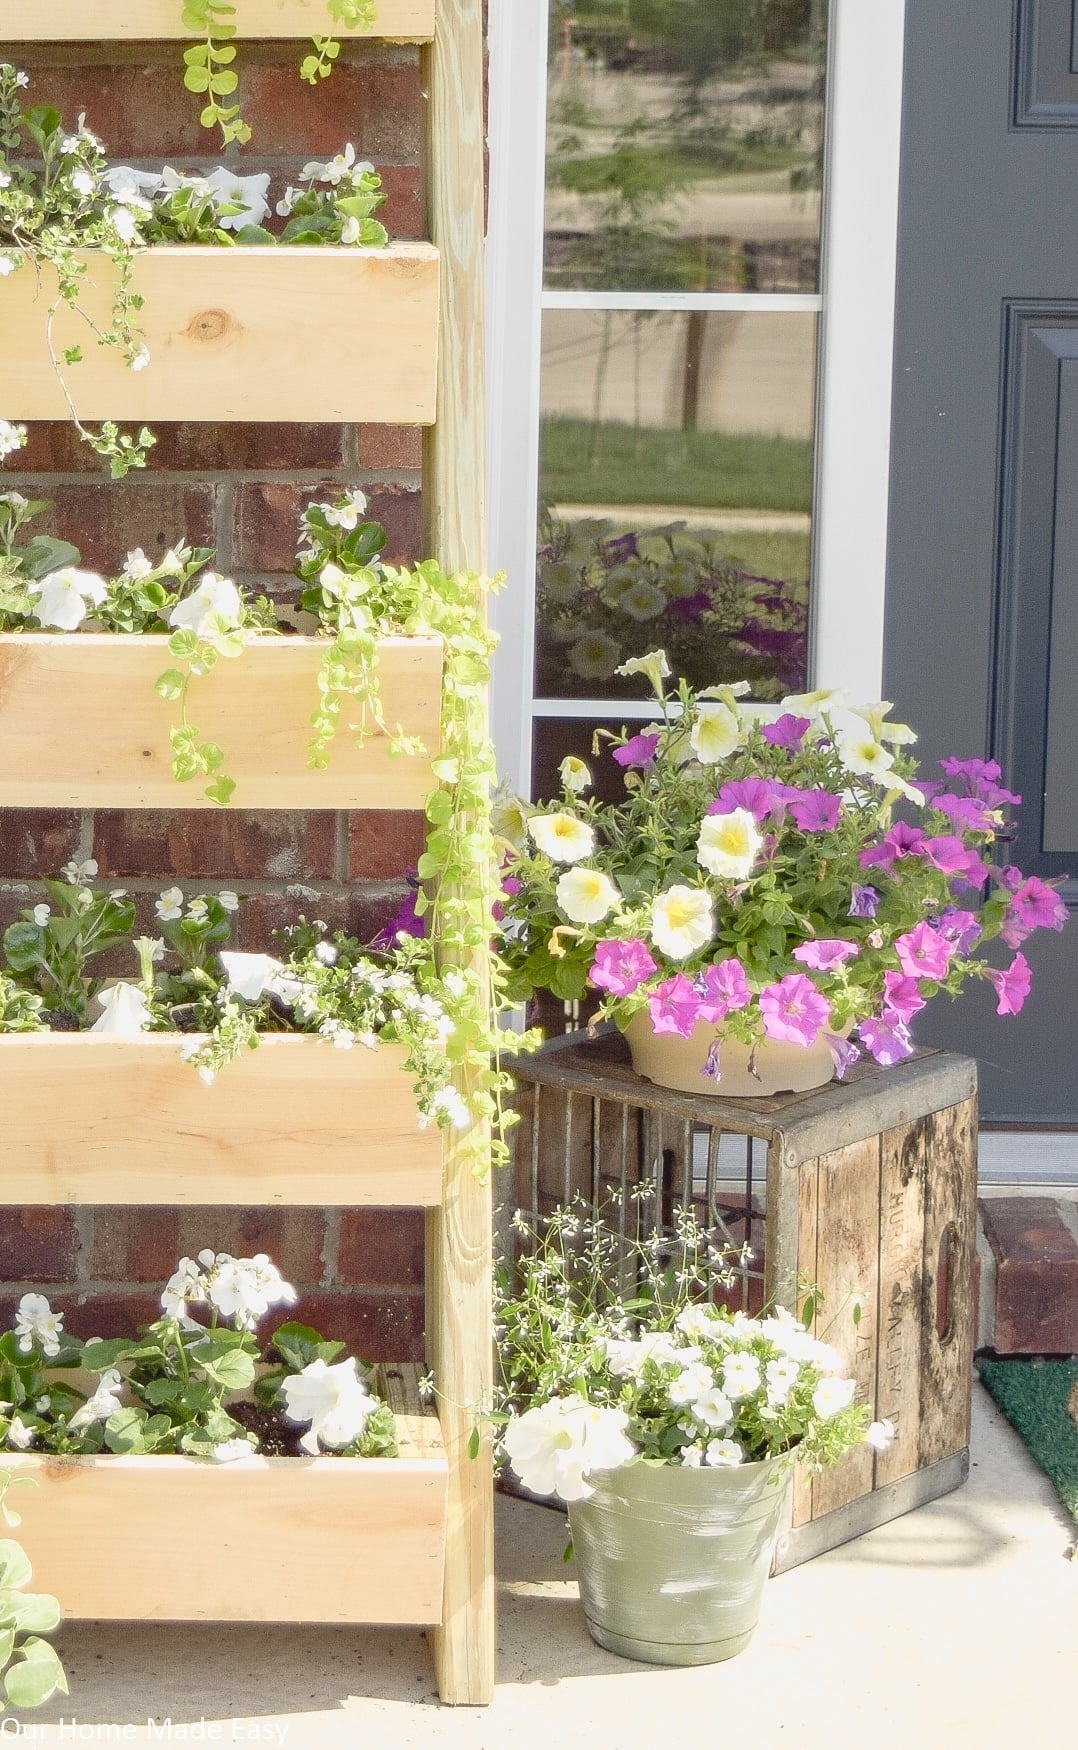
(676,482)
(684,144)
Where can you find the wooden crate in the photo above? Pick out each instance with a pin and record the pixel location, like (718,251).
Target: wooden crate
(871,1182)
(238,334)
(90,1118)
(82,727)
(152,20)
(169,1539)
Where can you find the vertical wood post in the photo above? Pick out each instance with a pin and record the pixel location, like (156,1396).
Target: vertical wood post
(459,1247)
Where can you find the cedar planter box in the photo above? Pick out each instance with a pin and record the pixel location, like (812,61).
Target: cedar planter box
(151,20)
(93,1119)
(237,334)
(262,1540)
(82,727)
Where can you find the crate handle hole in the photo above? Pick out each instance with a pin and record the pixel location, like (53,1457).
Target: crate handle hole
(944,1283)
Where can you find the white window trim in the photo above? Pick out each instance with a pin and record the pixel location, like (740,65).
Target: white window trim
(856,350)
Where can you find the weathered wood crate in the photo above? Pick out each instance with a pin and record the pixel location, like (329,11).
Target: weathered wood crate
(868,1185)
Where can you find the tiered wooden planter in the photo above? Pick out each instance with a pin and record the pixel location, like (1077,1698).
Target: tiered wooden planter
(125,1121)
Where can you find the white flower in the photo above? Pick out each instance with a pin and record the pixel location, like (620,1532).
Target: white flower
(77,873)
(103,1404)
(875,716)
(129,186)
(197,909)
(140,358)
(574,774)
(327,954)
(170,905)
(553,1446)
(692,1456)
(681,921)
(41,915)
(715,733)
(562,837)
(780,1377)
(699,1321)
(728,844)
(171,180)
(862,754)
(136,565)
(880,1434)
(12,437)
(245,1288)
(586,896)
(124,1010)
(654,666)
(626,1356)
(713,1408)
(64,597)
(740,1374)
(691,1383)
(594,657)
(333,1400)
(35,1322)
(723,1452)
(231,1450)
(187,1283)
(287,201)
(82,182)
(251,975)
(344,516)
(211,609)
(19,1435)
(823,702)
(832,1395)
(230,901)
(246,192)
(335,170)
(172,564)
(350,231)
(642,600)
(124,224)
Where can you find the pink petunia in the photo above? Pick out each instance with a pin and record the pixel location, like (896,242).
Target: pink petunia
(639,750)
(887,1040)
(901,997)
(814,810)
(825,956)
(762,797)
(620,967)
(674,1007)
(793,1009)
(901,841)
(1038,906)
(1012,985)
(788,731)
(722,988)
(948,854)
(961,928)
(924,952)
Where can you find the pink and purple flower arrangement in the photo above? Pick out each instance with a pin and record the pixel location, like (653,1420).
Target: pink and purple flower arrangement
(773,871)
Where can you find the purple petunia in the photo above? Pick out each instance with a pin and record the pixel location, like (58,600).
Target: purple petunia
(968,813)
(981,779)
(1037,906)
(788,731)
(793,1009)
(762,797)
(620,967)
(924,952)
(948,854)
(1012,985)
(721,988)
(814,810)
(901,997)
(843,1053)
(825,956)
(864,901)
(961,928)
(639,750)
(888,1040)
(689,607)
(675,1006)
(901,841)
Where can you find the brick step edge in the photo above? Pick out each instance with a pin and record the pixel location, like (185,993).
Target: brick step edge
(1028,1252)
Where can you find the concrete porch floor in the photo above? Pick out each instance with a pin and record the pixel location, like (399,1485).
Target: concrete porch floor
(956,1626)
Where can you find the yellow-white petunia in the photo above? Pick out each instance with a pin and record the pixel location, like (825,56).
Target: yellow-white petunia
(586,896)
(574,774)
(876,718)
(642,600)
(681,921)
(654,665)
(814,705)
(728,844)
(593,657)
(563,837)
(861,753)
(715,733)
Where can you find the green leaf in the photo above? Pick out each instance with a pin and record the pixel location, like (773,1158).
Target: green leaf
(101,1353)
(171,684)
(24,946)
(197,79)
(220,791)
(15,1567)
(251,235)
(473,1443)
(31,1612)
(37,1675)
(223,84)
(233,1371)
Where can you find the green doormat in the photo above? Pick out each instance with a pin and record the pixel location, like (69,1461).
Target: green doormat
(1041,1400)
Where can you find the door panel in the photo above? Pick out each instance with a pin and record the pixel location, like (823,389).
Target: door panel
(981,643)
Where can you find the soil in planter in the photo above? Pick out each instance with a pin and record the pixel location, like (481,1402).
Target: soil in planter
(275,1438)
(63,1021)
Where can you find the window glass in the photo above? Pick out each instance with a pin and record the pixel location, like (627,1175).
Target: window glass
(684,144)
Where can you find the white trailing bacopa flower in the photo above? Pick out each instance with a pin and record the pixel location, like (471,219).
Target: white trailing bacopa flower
(586,896)
(728,844)
(12,437)
(682,921)
(879,1435)
(124,1010)
(211,609)
(553,1447)
(562,837)
(720,1453)
(64,597)
(35,1322)
(334,1400)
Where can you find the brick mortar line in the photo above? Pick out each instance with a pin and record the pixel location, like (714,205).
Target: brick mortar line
(1067,1212)
(408,478)
(79,1293)
(253,888)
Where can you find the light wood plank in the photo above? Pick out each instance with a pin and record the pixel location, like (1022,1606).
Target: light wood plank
(90,1119)
(459,1236)
(848,1256)
(153,20)
(245,334)
(902,1214)
(260,1540)
(82,727)
(804,1183)
(950,1208)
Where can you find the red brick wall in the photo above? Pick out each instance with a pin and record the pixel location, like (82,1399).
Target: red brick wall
(238,488)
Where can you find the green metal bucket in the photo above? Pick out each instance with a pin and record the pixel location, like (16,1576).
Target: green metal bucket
(672,1560)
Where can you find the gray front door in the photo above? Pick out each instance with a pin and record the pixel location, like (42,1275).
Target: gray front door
(981,646)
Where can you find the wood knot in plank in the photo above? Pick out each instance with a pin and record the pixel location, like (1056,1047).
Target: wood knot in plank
(207,326)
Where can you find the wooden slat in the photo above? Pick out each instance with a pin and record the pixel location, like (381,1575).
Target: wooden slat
(243,334)
(804,1181)
(89,1119)
(848,1256)
(261,1540)
(950,1207)
(82,727)
(902,1214)
(153,20)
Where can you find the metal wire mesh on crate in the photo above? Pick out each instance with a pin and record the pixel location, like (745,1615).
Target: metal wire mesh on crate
(586,1136)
